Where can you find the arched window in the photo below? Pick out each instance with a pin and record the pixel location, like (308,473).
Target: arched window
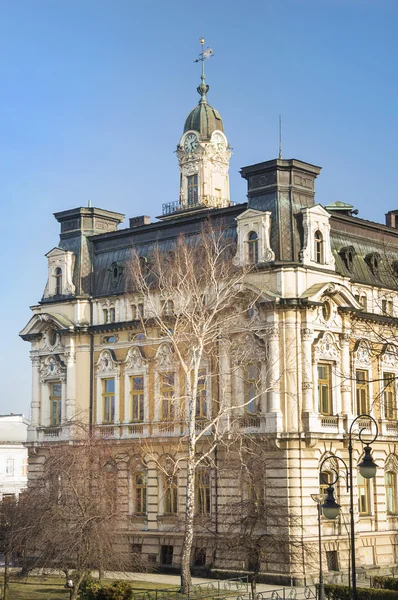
(390,480)
(140,493)
(58,281)
(325,479)
(202,492)
(252,242)
(318,247)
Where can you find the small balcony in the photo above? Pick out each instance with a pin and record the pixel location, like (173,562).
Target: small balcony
(207,201)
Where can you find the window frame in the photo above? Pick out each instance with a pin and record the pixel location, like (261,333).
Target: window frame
(392,496)
(193,190)
(202,400)
(108,395)
(167,394)
(170,495)
(58,281)
(251,386)
(140,507)
(389,387)
(252,247)
(318,247)
(364,485)
(57,401)
(362,392)
(203,492)
(328,383)
(137,397)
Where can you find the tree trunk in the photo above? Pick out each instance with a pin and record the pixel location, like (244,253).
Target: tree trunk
(6,575)
(253,585)
(189,519)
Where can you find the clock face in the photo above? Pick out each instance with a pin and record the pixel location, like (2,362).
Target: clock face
(191,142)
(218,142)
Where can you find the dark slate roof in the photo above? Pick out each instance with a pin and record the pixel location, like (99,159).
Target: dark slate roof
(116,247)
(367,239)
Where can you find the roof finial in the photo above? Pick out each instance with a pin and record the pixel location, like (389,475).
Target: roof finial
(280,137)
(89,204)
(203,88)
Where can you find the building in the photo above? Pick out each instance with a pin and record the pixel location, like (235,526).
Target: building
(328,317)
(13,455)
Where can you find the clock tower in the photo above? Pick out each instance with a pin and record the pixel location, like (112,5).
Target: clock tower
(203,154)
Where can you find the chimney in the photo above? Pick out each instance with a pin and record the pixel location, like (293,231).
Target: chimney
(391,219)
(138,221)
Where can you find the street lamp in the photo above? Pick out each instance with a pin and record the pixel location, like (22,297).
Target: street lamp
(367,468)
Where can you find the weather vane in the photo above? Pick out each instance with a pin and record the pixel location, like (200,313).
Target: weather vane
(208,53)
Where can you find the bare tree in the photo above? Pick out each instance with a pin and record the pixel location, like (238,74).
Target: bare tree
(196,304)
(10,524)
(70,513)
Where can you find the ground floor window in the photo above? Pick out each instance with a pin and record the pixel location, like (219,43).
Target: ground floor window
(199,557)
(166,555)
(332,560)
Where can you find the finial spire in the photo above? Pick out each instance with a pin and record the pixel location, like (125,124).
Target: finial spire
(203,87)
(280,137)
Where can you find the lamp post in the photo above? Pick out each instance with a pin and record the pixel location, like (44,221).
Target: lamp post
(321,588)
(367,469)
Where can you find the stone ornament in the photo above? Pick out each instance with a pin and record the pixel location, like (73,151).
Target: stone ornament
(135,359)
(52,367)
(164,357)
(389,356)
(327,347)
(107,363)
(363,352)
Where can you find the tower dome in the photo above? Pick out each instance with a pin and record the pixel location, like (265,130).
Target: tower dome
(204,118)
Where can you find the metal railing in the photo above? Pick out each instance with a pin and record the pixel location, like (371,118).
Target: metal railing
(168,208)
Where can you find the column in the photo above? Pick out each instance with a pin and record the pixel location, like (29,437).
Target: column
(70,400)
(308,414)
(274,414)
(345,373)
(35,406)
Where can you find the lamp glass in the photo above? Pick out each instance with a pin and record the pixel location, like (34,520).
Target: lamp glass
(367,467)
(330,507)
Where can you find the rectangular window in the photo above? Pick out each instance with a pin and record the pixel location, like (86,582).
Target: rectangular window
(325,389)
(112,315)
(137,398)
(136,549)
(389,395)
(201,395)
(192,190)
(332,560)
(166,555)
(386,307)
(167,396)
(108,400)
(199,557)
(362,391)
(363,495)
(170,495)
(140,493)
(55,403)
(10,467)
(390,483)
(252,385)
(202,492)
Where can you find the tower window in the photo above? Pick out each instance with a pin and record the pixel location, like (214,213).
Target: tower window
(56,402)
(192,190)
(318,247)
(325,389)
(252,241)
(58,281)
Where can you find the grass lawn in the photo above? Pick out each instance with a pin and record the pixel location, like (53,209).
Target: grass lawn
(51,588)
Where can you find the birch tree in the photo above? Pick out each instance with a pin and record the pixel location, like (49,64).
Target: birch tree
(192,297)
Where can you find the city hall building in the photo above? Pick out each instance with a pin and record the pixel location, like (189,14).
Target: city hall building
(326,314)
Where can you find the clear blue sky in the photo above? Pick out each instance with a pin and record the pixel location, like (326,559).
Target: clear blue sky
(94,94)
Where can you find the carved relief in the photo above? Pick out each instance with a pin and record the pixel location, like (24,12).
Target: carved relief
(135,359)
(363,352)
(164,357)
(327,347)
(391,463)
(389,357)
(107,362)
(52,367)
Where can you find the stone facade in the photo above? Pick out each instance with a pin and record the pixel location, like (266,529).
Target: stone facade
(327,316)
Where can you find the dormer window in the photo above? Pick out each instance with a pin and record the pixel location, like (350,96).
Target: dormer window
(252,242)
(373,261)
(318,247)
(58,281)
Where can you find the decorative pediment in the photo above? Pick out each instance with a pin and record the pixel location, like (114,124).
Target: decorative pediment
(107,362)
(52,367)
(341,295)
(43,323)
(327,347)
(256,223)
(135,359)
(389,356)
(363,352)
(60,273)
(165,357)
